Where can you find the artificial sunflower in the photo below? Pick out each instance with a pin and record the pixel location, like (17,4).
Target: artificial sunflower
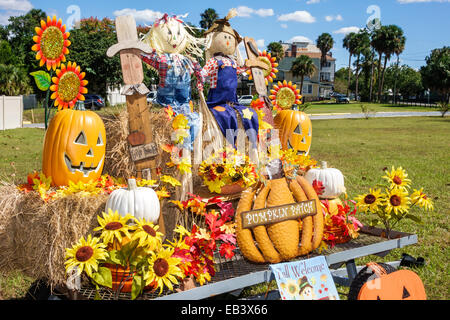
(285,95)
(163,270)
(113,227)
(85,255)
(370,201)
(397,178)
(396,201)
(69,86)
(270,73)
(422,200)
(147,234)
(52,42)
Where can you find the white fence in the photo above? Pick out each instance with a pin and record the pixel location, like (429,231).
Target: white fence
(11,112)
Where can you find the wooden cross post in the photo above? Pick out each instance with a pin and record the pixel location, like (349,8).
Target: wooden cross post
(142,148)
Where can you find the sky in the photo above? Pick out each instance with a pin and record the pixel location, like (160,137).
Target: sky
(426,23)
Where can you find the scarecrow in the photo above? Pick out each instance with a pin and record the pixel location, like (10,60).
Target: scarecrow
(173,57)
(222,71)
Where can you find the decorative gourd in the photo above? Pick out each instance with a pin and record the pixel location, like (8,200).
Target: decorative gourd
(139,202)
(398,285)
(74,147)
(279,241)
(331,178)
(295,129)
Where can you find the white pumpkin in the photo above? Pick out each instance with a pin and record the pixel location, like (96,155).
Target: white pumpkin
(139,202)
(331,178)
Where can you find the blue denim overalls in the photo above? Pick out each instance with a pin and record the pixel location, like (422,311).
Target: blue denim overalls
(222,101)
(177,94)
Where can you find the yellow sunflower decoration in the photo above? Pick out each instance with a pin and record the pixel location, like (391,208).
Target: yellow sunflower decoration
(397,201)
(370,201)
(69,86)
(398,178)
(422,200)
(113,227)
(147,234)
(52,42)
(85,255)
(285,95)
(163,270)
(270,73)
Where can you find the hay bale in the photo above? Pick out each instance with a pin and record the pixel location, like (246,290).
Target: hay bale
(34,234)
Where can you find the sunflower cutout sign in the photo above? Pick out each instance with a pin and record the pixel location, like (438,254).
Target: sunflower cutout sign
(64,79)
(305,280)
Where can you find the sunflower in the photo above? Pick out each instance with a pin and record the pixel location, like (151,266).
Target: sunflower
(270,73)
(85,255)
(114,227)
(69,86)
(163,269)
(396,200)
(397,178)
(370,201)
(285,95)
(422,200)
(147,234)
(51,43)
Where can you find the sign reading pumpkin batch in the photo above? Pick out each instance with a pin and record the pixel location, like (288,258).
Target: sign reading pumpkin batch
(305,280)
(266,216)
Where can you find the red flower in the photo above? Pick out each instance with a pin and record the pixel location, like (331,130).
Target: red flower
(318,187)
(226,250)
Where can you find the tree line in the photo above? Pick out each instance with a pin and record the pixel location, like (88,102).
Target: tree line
(368,78)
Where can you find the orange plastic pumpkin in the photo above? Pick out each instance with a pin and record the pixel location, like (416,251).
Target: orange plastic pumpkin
(295,129)
(74,147)
(398,285)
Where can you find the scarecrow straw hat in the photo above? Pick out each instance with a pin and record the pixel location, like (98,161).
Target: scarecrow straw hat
(222,25)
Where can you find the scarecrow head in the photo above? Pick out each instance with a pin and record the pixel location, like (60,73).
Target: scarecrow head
(222,38)
(170,35)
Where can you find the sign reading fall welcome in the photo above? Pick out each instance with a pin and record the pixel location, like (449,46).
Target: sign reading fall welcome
(301,210)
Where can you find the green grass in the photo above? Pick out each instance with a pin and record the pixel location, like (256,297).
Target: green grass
(360,149)
(330,107)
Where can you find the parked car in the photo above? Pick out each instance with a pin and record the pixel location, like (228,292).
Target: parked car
(342,99)
(245,100)
(151,97)
(93,102)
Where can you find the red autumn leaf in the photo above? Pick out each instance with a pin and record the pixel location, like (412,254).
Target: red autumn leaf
(226,250)
(318,187)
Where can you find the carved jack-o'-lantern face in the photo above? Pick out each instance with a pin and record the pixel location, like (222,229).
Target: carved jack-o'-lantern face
(399,285)
(74,147)
(295,130)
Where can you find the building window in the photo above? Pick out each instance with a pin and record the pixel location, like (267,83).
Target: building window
(325,76)
(307,89)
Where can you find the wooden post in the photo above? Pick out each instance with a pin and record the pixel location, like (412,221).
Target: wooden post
(129,48)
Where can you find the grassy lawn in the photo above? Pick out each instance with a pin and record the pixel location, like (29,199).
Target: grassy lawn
(360,149)
(354,107)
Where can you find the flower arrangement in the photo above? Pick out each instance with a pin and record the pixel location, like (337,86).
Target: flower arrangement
(136,248)
(38,182)
(227,167)
(342,226)
(394,203)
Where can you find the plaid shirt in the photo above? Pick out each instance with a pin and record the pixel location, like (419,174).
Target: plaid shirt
(211,69)
(180,63)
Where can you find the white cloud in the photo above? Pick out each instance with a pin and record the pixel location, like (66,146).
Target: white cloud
(284,25)
(16,5)
(245,12)
(336,17)
(299,39)
(260,43)
(347,30)
(299,16)
(312,1)
(420,1)
(140,15)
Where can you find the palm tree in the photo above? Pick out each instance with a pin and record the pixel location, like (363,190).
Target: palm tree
(276,50)
(362,40)
(13,81)
(325,43)
(387,40)
(208,17)
(301,67)
(350,44)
